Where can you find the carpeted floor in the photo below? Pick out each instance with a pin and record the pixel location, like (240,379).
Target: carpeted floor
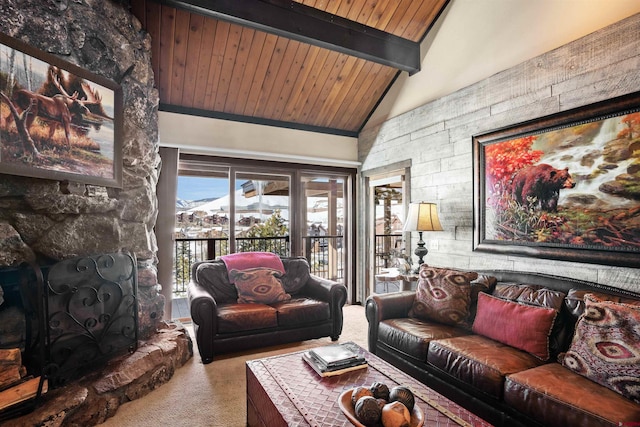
(215,394)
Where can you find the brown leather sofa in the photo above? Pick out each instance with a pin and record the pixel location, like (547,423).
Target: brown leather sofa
(223,325)
(502,384)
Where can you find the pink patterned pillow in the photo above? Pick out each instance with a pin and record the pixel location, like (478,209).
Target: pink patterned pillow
(606,346)
(443,295)
(258,285)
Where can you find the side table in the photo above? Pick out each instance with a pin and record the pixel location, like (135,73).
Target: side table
(393,275)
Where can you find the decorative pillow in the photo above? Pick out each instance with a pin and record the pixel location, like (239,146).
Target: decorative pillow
(525,327)
(443,295)
(540,296)
(261,285)
(605,346)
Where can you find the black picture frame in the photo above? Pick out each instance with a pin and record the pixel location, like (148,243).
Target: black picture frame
(597,221)
(64,122)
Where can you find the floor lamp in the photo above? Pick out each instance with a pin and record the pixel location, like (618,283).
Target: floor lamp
(422,217)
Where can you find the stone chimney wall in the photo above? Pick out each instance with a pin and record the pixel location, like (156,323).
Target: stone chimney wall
(44,220)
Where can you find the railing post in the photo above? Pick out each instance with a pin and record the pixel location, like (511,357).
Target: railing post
(307,249)
(211,249)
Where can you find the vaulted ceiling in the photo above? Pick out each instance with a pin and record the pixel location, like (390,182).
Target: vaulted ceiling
(320,65)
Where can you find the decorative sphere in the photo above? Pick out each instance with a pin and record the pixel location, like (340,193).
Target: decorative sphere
(359,392)
(402,395)
(380,390)
(367,411)
(395,414)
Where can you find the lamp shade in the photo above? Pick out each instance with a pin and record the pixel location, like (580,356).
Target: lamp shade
(422,217)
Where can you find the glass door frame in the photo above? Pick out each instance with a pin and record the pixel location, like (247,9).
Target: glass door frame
(204,165)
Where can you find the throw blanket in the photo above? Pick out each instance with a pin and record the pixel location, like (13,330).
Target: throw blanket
(245,260)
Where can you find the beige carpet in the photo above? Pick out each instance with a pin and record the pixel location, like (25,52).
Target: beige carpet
(215,394)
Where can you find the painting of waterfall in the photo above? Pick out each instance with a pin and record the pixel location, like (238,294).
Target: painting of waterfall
(564,187)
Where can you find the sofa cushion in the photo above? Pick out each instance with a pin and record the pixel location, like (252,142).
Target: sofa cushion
(233,318)
(258,285)
(606,348)
(443,295)
(556,396)
(213,276)
(575,300)
(412,336)
(296,275)
(483,283)
(525,327)
(301,310)
(479,361)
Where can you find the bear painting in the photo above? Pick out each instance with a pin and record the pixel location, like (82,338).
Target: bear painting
(541,185)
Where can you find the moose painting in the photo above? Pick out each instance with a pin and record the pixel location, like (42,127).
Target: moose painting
(565,187)
(57,120)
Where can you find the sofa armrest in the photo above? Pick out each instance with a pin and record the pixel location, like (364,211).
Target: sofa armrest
(332,292)
(379,307)
(204,311)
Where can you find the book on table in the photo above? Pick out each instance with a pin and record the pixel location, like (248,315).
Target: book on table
(334,359)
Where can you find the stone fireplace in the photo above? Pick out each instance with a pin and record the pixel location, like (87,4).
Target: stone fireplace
(44,221)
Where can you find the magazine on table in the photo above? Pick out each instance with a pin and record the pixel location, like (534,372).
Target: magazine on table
(335,359)
(336,354)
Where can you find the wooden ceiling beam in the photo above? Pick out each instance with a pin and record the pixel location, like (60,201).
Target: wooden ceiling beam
(308,25)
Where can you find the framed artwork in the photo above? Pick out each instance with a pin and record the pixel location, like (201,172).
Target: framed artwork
(57,121)
(566,186)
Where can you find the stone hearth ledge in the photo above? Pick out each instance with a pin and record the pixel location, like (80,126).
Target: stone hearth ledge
(92,399)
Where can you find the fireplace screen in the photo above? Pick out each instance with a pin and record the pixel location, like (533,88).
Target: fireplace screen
(91,312)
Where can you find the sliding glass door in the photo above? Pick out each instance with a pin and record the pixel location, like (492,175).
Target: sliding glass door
(226,206)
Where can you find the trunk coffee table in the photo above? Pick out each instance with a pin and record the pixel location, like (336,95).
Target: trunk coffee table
(285,391)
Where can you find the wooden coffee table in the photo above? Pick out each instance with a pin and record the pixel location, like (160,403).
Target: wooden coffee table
(284,391)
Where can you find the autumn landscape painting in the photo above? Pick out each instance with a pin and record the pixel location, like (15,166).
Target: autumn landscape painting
(55,123)
(575,186)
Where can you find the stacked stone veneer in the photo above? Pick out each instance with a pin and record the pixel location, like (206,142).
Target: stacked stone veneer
(437,139)
(50,220)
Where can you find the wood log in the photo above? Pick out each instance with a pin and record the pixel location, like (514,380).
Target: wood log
(11,368)
(21,392)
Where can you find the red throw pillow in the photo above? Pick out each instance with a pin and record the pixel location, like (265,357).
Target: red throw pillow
(525,327)
(605,346)
(443,295)
(258,285)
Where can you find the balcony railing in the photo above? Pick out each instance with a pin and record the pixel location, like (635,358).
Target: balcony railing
(324,254)
(386,245)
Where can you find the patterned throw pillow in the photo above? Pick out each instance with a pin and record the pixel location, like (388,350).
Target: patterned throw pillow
(443,295)
(258,285)
(606,348)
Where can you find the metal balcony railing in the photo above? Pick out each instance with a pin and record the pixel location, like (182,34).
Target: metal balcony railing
(190,250)
(385,246)
(324,254)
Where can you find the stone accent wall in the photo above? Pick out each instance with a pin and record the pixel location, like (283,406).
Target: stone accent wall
(437,138)
(46,220)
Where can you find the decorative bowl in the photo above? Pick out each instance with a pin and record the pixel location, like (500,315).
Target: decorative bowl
(344,402)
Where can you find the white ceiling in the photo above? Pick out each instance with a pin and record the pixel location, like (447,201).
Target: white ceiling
(475,39)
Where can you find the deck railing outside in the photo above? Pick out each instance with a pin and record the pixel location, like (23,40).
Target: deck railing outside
(324,253)
(325,256)
(386,246)
(190,250)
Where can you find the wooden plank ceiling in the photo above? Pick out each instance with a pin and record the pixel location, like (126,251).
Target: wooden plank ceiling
(208,65)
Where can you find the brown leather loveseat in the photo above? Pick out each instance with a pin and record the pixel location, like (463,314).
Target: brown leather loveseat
(312,309)
(526,352)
